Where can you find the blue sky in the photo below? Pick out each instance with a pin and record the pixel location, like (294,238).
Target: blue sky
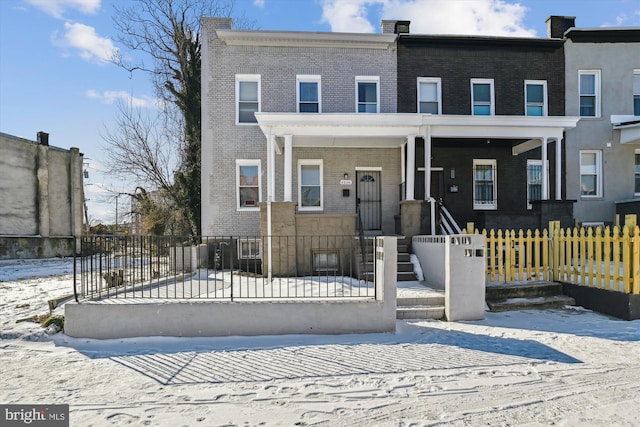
(55,75)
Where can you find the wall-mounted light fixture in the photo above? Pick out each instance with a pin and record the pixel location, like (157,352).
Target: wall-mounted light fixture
(452,173)
(346,175)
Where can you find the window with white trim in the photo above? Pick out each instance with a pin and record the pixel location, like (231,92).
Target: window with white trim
(637,173)
(589,89)
(326,261)
(367,94)
(429,95)
(484,184)
(308,94)
(534,181)
(535,97)
(636,92)
(248,185)
(310,185)
(482,97)
(249,248)
(247,98)
(591,173)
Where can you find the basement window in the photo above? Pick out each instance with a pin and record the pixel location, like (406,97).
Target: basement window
(325,261)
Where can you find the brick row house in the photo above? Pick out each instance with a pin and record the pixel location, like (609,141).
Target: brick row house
(338,133)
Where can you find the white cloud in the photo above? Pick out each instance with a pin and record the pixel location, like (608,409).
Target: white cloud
(474,17)
(258,3)
(347,15)
(89,45)
(112,96)
(56,8)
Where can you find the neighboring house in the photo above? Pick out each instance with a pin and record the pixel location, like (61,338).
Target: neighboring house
(602,75)
(42,198)
(497,116)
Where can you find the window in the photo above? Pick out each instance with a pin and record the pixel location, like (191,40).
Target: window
(367,94)
(248,248)
(591,173)
(248,98)
(325,261)
(535,97)
(534,181)
(589,93)
(248,184)
(482,97)
(429,95)
(308,94)
(637,174)
(310,185)
(484,184)
(636,92)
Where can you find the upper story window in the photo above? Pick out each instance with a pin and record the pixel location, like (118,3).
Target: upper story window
(591,173)
(482,98)
(589,93)
(308,94)
(247,98)
(367,94)
(535,97)
(484,184)
(636,92)
(248,192)
(310,185)
(429,95)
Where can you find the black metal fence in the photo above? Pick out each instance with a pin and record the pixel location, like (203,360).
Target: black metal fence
(225,268)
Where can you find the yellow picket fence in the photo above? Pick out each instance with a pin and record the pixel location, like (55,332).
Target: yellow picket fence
(606,258)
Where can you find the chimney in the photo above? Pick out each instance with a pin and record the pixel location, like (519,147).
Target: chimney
(43,138)
(557,25)
(395,27)
(222,23)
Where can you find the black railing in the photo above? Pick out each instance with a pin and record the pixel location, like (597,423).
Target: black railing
(224,268)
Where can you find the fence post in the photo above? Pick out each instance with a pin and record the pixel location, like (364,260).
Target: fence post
(554,227)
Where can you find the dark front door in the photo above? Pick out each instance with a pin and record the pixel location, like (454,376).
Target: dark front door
(437,184)
(368,195)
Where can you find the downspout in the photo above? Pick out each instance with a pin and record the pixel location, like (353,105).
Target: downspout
(269,199)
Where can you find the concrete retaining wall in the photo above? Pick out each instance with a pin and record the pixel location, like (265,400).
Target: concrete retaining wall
(455,264)
(183,318)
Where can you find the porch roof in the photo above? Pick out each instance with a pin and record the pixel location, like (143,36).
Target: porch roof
(629,127)
(391,129)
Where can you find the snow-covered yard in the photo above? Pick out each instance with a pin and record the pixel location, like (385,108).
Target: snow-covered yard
(565,367)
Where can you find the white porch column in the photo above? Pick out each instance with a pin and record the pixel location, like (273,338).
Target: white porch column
(545,170)
(288,173)
(559,168)
(427,163)
(411,168)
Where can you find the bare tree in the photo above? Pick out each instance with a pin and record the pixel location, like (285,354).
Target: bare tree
(164,38)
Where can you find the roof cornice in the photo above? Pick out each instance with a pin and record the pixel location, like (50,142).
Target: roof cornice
(604,35)
(306,39)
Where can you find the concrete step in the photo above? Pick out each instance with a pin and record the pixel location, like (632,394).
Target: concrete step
(405,266)
(420,312)
(524,303)
(404,257)
(528,290)
(406,276)
(435,300)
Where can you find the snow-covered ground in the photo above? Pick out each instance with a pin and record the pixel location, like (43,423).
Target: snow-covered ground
(568,367)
